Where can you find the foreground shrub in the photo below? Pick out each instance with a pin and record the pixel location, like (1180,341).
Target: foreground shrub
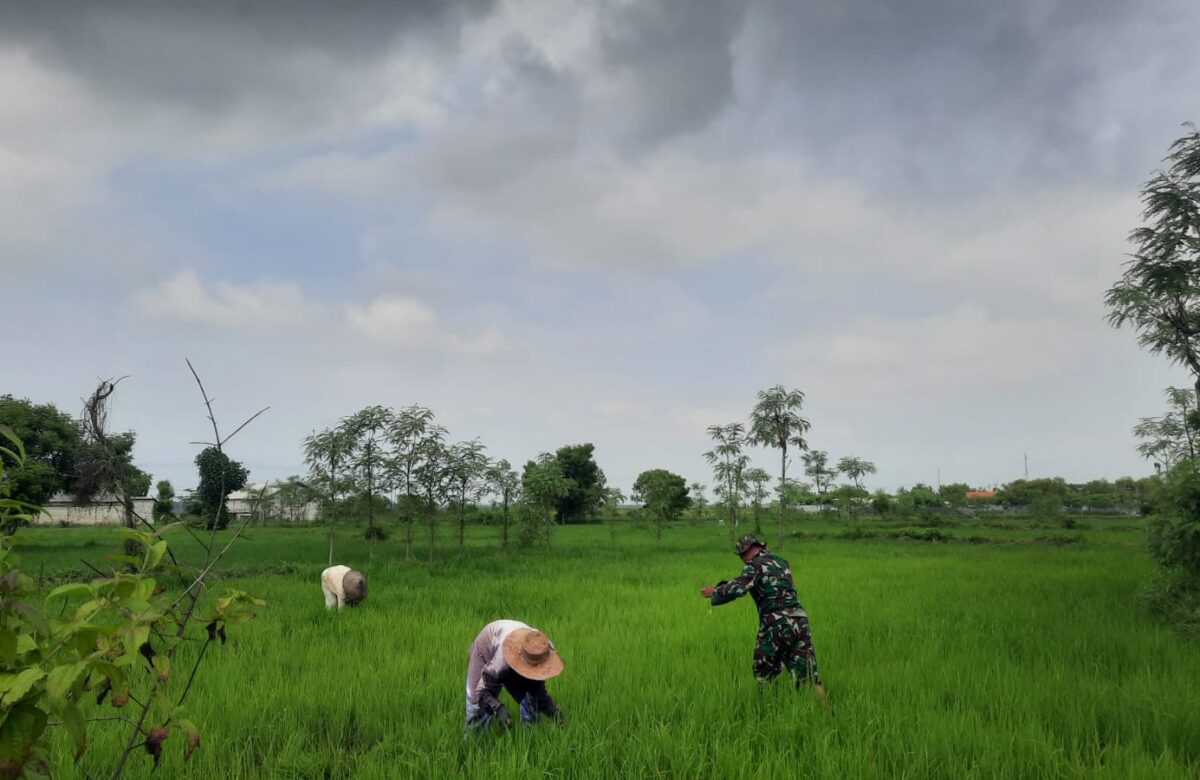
(1173,595)
(1174,539)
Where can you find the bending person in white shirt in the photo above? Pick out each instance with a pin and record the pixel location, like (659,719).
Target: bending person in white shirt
(511,655)
(343,585)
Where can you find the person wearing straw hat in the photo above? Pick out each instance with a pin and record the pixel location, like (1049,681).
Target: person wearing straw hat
(784,639)
(343,586)
(518,658)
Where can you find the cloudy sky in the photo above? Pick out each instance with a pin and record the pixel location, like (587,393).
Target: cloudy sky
(609,222)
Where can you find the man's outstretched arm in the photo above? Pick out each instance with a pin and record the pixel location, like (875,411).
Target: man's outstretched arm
(726,591)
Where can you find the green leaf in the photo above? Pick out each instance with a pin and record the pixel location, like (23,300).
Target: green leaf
(191,736)
(84,640)
(17,685)
(9,434)
(87,609)
(8,647)
(162,665)
(25,644)
(73,722)
(32,615)
(61,681)
(117,679)
(18,734)
(155,554)
(70,590)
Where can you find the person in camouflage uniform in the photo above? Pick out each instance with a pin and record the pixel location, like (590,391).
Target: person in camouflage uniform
(784,639)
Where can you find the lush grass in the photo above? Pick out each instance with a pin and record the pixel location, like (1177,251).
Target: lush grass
(950,659)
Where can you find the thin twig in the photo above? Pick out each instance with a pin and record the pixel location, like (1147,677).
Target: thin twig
(195,667)
(243,425)
(90,720)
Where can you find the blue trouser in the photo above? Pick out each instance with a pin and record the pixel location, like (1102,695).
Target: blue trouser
(479,720)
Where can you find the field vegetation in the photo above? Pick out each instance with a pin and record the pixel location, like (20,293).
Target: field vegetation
(979,647)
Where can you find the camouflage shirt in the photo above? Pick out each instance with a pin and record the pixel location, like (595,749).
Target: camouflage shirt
(768,579)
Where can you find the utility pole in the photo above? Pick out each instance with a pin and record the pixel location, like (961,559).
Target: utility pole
(1027,465)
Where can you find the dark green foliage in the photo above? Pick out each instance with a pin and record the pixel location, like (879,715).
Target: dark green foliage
(219,476)
(105,469)
(164,502)
(664,495)
(1173,595)
(954,494)
(532,528)
(1024,492)
(1046,506)
(585,494)
(1159,293)
(1174,539)
(544,486)
(375,532)
(52,440)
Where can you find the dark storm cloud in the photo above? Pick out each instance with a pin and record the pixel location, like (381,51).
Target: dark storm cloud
(676,62)
(532,117)
(945,94)
(216,54)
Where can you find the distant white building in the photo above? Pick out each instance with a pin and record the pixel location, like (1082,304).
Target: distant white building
(103,510)
(263,502)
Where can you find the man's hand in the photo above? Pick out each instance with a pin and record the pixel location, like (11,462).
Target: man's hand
(707,591)
(502,717)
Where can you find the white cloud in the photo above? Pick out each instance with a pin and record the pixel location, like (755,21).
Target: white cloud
(406,324)
(395,321)
(261,305)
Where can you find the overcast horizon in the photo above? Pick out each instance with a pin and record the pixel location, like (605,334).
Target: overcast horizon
(614,223)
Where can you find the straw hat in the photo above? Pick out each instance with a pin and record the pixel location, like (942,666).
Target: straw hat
(354,587)
(530,653)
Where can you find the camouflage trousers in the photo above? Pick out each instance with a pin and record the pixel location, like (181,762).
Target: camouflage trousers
(785,642)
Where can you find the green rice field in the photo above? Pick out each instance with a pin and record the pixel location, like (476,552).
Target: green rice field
(990,649)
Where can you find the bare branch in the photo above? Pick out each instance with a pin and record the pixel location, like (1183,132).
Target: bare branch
(243,425)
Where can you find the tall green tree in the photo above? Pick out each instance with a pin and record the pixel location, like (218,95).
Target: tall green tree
(544,485)
(728,461)
(855,469)
(433,477)
(816,468)
(326,454)
(585,494)
(699,501)
(613,498)
(1172,437)
(220,475)
(954,493)
(505,485)
(163,510)
(52,441)
(663,494)
(756,482)
(1159,293)
(776,422)
(467,465)
(366,431)
(410,427)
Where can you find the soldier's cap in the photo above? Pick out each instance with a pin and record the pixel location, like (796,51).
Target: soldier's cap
(747,542)
(531,654)
(354,587)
